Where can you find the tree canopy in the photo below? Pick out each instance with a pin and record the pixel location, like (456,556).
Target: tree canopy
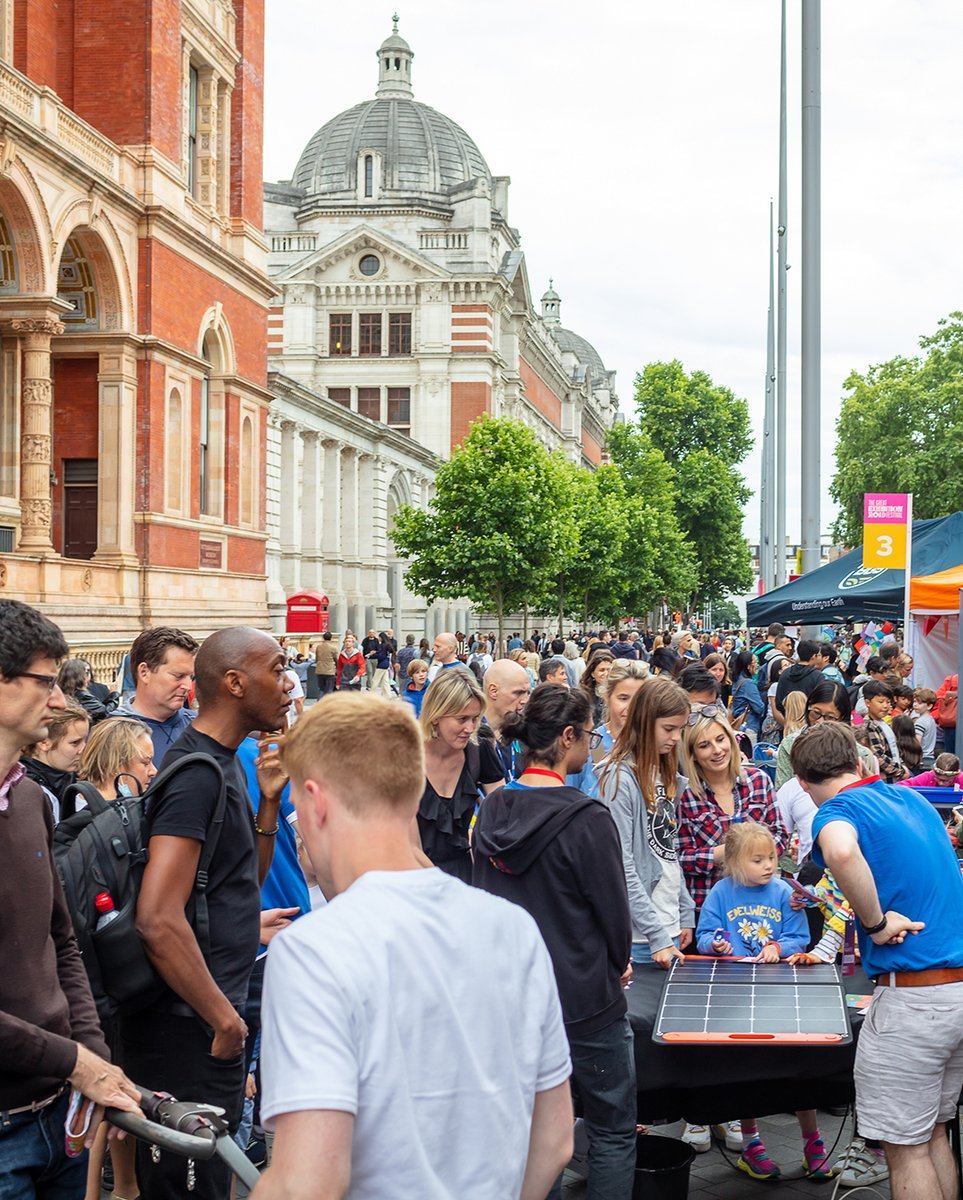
(900,429)
(702,432)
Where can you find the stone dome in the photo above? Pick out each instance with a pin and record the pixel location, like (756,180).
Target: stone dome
(419,153)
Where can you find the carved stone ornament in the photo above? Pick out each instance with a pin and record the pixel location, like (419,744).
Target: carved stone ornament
(36,391)
(87,579)
(38,325)
(36,513)
(3,574)
(35,448)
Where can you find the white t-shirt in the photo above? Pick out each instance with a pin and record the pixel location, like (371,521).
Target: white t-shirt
(429,1010)
(797,809)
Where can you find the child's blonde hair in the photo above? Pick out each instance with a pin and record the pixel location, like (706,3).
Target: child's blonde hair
(742,839)
(794,712)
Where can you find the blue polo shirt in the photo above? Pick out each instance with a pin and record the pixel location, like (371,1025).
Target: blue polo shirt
(915,868)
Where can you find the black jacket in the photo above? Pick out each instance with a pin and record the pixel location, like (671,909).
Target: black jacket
(556,853)
(800,677)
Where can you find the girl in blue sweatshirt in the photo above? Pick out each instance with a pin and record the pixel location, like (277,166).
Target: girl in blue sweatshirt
(747,914)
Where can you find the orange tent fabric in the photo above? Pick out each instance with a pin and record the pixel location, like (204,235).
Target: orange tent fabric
(937,593)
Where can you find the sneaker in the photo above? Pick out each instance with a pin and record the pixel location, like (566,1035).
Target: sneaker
(729,1132)
(859,1166)
(697,1136)
(815,1162)
(756,1162)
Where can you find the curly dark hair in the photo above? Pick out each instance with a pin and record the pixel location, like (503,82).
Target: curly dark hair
(25,636)
(544,718)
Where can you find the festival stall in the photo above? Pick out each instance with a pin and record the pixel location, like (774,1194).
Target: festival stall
(844,592)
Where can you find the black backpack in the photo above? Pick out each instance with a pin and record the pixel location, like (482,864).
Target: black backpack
(103,848)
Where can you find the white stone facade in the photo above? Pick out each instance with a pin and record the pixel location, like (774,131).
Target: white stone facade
(403,312)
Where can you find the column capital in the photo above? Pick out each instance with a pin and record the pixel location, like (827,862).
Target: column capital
(332,444)
(41,325)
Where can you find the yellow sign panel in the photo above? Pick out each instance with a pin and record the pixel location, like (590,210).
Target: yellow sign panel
(884,546)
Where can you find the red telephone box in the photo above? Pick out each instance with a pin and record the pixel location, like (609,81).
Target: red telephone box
(307,613)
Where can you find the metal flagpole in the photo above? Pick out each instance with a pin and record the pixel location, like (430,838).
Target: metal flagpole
(781,269)
(811,354)
(767,555)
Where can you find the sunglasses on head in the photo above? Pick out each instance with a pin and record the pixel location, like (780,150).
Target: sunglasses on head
(708,712)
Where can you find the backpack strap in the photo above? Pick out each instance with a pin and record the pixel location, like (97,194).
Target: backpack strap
(82,787)
(201,923)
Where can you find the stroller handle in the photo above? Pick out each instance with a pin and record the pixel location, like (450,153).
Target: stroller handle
(190,1130)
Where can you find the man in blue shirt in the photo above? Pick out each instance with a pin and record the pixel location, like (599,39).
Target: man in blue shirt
(890,855)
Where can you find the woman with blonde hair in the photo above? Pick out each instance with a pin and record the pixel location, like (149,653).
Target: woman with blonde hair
(641,784)
(720,789)
(457,767)
(119,758)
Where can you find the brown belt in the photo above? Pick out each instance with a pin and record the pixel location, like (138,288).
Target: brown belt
(930,978)
(37,1105)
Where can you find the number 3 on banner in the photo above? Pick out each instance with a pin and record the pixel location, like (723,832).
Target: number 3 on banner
(884,545)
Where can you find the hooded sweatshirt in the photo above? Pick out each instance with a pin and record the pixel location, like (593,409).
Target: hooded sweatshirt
(799,677)
(556,852)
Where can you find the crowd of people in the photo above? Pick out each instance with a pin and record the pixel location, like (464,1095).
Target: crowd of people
(634,796)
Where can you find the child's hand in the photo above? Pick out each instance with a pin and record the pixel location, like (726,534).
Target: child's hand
(721,947)
(770,953)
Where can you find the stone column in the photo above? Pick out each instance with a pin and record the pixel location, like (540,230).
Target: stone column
(35,440)
(117,388)
(331,574)
(311,516)
(291,451)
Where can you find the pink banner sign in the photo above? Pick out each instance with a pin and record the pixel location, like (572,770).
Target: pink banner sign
(885,508)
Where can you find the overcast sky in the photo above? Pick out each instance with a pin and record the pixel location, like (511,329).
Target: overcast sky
(642,144)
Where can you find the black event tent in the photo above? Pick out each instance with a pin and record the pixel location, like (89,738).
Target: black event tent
(845,590)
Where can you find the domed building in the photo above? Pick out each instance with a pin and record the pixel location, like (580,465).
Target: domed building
(403,312)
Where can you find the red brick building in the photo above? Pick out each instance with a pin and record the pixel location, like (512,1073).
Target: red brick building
(132,314)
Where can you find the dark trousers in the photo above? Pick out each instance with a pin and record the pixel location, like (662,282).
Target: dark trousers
(33,1161)
(325,684)
(603,1072)
(170,1053)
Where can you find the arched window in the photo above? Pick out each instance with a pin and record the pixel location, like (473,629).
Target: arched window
(204,436)
(248,472)
(368,175)
(175,450)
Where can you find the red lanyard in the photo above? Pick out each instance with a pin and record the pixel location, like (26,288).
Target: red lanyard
(543,771)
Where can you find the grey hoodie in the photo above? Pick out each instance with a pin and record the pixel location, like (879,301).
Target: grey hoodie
(619,788)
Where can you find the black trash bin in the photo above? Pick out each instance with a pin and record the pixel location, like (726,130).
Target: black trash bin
(661,1168)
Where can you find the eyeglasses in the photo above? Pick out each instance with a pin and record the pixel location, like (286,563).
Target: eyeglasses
(49,681)
(707,712)
(816,715)
(594,739)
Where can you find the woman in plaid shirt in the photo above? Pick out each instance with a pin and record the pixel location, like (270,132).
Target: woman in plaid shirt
(721,789)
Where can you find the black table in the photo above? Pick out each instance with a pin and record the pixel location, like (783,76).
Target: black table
(711,1084)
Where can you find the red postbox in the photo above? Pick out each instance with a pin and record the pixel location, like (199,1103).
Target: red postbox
(307,613)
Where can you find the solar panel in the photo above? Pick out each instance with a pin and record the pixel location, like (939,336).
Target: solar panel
(720,1000)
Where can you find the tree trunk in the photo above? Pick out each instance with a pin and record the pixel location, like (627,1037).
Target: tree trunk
(525,621)
(500,613)
(585,613)
(561,609)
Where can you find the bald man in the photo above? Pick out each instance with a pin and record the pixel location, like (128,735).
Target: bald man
(444,654)
(507,688)
(190,1042)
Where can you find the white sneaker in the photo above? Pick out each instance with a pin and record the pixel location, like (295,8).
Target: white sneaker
(697,1136)
(731,1133)
(858,1166)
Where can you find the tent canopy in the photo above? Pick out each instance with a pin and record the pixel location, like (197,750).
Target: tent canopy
(939,593)
(845,590)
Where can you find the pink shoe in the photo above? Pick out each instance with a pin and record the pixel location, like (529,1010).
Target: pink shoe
(756,1162)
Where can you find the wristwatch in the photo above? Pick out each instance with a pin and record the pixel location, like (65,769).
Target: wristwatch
(869,930)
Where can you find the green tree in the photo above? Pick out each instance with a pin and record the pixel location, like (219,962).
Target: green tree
(496,527)
(702,431)
(725,615)
(657,560)
(900,429)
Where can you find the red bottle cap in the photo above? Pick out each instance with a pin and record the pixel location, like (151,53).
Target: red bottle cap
(104,903)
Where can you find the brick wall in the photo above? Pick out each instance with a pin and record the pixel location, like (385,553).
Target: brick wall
(181,292)
(593,451)
(538,392)
(247,114)
(468,402)
(35,40)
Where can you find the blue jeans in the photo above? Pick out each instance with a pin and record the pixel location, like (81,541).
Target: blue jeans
(603,1071)
(33,1162)
(642,955)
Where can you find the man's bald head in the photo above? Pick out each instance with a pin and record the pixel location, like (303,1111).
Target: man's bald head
(446,647)
(229,649)
(507,688)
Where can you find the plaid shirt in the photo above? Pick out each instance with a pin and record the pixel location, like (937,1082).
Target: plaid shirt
(889,767)
(703,826)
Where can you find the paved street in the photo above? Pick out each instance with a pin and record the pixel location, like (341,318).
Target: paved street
(713,1178)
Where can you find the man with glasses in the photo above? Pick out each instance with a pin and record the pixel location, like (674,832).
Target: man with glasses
(50,1039)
